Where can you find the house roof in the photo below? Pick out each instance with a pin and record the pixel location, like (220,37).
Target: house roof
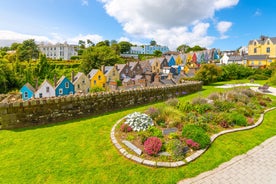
(45,81)
(145,65)
(257,57)
(235,58)
(28,85)
(60,80)
(92,73)
(107,69)
(120,67)
(262,41)
(167,81)
(76,77)
(132,65)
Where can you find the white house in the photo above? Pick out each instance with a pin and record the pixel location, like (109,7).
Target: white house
(45,90)
(58,51)
(224,59)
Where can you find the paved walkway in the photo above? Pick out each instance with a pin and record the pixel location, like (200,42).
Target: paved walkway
(256,166)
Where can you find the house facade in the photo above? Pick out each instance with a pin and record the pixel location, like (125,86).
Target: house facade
(135,69)
(27,91)
(148,49)
(45,90)
(64,87)
(97,78)
(261,52)
(111,73)
(81,83)
(58,51)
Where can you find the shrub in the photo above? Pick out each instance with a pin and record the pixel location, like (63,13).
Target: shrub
(175,148)
(213,96)
(130,137)
(152,112)
(197,134)
(248,92)
(172,102)
(237,119)
(125,128)
(250,121)
(223,106)
(138,121)
(194,145)
(152,145)
(199,101)
(258,77)
(224,124)
(202,108)
(262,103)
(155,132)
(185,107)
(144,135)
(173,136)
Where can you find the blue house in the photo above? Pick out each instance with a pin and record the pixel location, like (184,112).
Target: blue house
(27,91)
(171,60)
(64,87)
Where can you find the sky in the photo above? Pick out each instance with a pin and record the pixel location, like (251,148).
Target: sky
(221,24)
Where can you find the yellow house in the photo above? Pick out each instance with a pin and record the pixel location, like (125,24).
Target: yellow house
(97,78)
(261,52)
(178,60)
(155,65)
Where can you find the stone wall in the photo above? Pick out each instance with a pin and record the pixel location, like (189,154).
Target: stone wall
(51,110)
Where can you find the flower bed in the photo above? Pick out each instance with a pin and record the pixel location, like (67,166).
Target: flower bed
(177,130)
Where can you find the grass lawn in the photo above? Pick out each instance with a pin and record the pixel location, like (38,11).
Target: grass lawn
(80,151)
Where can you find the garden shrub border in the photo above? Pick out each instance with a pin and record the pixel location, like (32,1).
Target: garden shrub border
(191,158)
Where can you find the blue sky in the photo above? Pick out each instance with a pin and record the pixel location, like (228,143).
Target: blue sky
(223,24)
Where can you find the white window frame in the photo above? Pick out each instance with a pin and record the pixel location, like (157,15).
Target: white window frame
(66,84)
(60,91)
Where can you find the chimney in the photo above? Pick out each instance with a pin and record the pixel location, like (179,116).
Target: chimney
(55,80)
(72,76)
(36,83)
(103,69)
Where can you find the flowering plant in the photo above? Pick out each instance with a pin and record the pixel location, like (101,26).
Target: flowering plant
(152,145)
(125,128)
(138,121)
(192,144)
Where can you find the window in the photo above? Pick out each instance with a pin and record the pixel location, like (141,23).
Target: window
(255,43)
(95,82)
(60,91)
(99,77)
(252,62)
(268,42)
(71,92)
(255,50)
(268,50)
(40,95)
(260,63)
(83,81)
(47,89)
(66,84)
(25,94)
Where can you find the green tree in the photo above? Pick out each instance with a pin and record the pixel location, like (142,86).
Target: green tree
(157,53)
(153,42)
(15,45)
(42,67)
(81,44)
(27,50)
(90,43)
(183,48)
(95,57)
(208,73)
(125,46)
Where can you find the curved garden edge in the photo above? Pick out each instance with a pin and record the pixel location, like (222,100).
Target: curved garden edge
(191,158)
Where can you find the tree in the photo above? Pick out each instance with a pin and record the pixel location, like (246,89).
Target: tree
(81,44)
(42,68)
(183,48)
(27,50)
(112,42)
(208,73)
(125,46)
(90,43)
(152,42)
(95,57)
(157,53)
(15,45)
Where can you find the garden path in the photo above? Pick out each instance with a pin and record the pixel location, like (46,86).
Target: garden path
(256,166)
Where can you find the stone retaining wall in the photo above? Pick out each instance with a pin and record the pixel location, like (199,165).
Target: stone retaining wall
(51,110)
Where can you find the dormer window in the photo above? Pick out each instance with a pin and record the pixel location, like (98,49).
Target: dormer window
(255,43)
(268,42)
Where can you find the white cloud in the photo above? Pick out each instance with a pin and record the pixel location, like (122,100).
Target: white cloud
(258,12)
(223,27)
(84,2)
(170,22)
(8,37)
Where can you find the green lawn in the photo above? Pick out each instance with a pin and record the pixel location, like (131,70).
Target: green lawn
(81,152)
